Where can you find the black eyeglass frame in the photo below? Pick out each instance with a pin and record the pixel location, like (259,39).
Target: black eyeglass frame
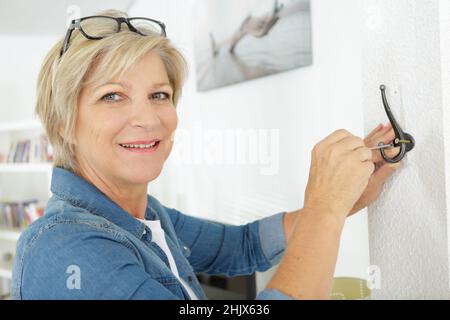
(76,24)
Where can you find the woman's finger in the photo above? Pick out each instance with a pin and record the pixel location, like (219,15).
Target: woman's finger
(392,152)
(363,153)
(374,131)
(381,135)
(387,136)
(351,143)
(386,170)
(335,137)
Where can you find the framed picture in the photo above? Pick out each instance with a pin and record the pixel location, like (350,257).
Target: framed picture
(239,40)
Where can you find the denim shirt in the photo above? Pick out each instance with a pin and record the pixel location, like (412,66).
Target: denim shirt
(87,247)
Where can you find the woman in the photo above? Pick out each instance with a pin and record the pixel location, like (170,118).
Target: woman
(106,96)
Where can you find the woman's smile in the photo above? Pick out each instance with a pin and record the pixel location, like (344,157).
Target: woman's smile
(145,147)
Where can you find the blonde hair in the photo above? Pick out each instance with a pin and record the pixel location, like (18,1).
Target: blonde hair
(61,78)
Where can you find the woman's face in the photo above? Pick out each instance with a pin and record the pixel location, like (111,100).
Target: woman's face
(124,127)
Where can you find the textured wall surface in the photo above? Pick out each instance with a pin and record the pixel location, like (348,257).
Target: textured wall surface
(445,65)
(401,44)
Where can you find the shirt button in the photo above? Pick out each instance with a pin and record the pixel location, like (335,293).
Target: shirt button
(186,251)
(190,278)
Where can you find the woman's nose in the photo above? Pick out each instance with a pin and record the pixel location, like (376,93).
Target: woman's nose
(145,115)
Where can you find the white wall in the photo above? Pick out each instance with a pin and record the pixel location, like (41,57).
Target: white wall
(444,15)
(304,104)
(408,224)
(20,61)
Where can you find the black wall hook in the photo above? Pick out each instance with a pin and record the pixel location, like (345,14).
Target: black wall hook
(402,139)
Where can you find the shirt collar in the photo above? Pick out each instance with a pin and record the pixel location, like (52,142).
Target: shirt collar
(81,193)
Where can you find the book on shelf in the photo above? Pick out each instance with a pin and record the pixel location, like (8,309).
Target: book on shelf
(18,215)
(32,150)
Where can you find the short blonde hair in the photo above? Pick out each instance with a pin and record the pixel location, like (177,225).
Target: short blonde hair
(61,78)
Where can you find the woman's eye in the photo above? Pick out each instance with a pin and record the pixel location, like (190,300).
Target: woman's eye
(111,97)
(161,96)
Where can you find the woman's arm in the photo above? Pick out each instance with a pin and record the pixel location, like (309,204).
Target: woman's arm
(307,268)
(218,248)
(341,166)
(289,221)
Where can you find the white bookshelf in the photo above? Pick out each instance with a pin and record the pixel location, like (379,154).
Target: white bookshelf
(18,182)
(6,270)
(6,273)
(25,167)
(20,125)
(9,234)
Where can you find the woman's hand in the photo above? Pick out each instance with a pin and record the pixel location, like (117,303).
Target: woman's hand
(341,166)
(383,170)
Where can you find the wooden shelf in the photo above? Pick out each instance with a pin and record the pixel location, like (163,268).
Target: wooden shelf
(26,167)
(20,125)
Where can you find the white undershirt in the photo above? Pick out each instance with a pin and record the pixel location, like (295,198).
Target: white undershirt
(159,238)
